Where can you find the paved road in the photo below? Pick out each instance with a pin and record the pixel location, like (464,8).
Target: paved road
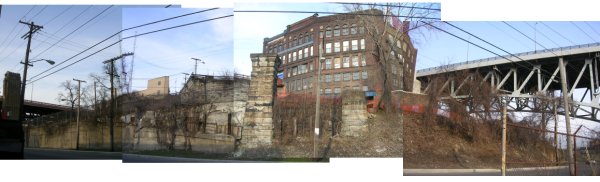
(45,154)
(135,158)
(548,171)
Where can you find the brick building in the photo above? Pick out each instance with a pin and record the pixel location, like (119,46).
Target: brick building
(349,54)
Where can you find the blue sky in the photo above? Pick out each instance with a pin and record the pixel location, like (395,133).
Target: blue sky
(159,54)
(13,51)
(169,53)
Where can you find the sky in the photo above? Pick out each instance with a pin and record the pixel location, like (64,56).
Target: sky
(169,53)
(58,22)
(165,53)
(435,48)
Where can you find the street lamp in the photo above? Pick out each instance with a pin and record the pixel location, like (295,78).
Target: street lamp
(196,65)
(49,62)
(26,64)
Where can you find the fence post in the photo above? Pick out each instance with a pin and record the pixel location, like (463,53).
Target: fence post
(504,140)
(575,148)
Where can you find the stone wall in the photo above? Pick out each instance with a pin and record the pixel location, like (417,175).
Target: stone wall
(206,88)
(354,114)
(258,118)
(62,135)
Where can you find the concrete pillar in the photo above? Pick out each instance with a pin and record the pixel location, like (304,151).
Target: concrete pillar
(354,114)
(11,95)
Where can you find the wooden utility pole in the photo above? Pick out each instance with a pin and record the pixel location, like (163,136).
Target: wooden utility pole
(112,96)
(504,125)
(33,28)
(318,99)
(563,83)
(78,109)
(556,132)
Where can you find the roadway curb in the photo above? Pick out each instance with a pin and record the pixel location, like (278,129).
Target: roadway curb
(66,150)
(434,171)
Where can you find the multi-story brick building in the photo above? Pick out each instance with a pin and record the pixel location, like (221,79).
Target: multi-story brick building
(349,55)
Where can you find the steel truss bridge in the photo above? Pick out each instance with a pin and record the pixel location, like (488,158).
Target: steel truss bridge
(522,78)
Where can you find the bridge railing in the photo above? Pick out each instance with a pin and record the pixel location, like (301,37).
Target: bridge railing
(509,56)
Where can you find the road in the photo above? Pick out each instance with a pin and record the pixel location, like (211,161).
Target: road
(50,154)
(135,158)
(548,171)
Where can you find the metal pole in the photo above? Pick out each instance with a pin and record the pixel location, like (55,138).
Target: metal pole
(32,29)
(563,82)
(504,125)
(78,109)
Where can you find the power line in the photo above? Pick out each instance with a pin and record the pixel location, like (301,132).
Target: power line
(466,40)
(519,41)
(125,39)
(12,30)
(390,5)
(334,13)
(74,31)
(495,47)
(573,43)
(541,33)
(117,33)
(591,28)
(527,37)
(582,30)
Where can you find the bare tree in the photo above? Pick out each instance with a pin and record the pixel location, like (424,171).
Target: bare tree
(383,29)
(69,96)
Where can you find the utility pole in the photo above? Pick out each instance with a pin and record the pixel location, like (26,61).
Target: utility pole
(504,131)
(78,108)
(563,83)
(196,65)
(318,101)
(33,28)
(112,96)
(95,96)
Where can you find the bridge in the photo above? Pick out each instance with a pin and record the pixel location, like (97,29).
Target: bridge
(522,79)
(35,109)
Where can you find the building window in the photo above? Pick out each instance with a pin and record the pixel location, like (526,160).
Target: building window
(311,50)
(364,60)
(337,90)
(354,45)
(294,56)
(337,77)
(337,63)
(294,71)
(362,44)
(346,76)
(306,52)
(355,61)
(336,47)
(345,30)
(298,86)
(394,69)
(311,66)
(283,58)
(304,84)
(327,64)
(346,62)
(309,37)
(300,54)
(300,39)
(365,88)
(355,88)
(365,75)
(361,30)
(328,32)
(345,46)
(327,78)
(328,48)
(327,91)
(320,34)
(289,72)
(158,83)
(336,31)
